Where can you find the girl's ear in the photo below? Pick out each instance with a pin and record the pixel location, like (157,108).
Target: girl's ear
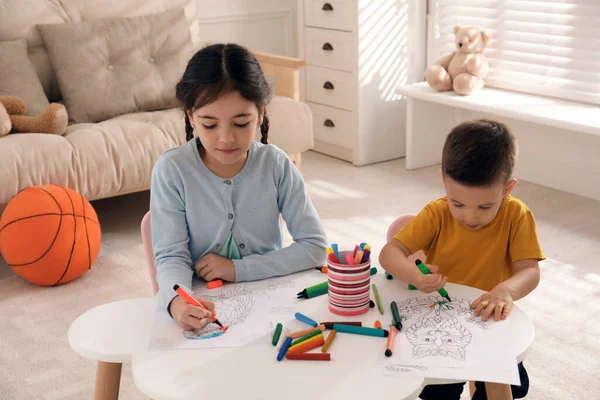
(191,118)
(261,115)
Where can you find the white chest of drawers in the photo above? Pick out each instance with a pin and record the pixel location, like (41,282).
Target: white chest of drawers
(357,52)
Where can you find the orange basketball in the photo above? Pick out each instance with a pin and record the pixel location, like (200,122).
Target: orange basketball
(49,234)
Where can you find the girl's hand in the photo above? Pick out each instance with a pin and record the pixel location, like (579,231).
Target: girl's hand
(191,317)
(497,302)
(431,282)
(212,266)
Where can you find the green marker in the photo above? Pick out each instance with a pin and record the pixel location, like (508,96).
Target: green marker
(276,334)
(314,333)
(396,321)
(426,271)
(376,292)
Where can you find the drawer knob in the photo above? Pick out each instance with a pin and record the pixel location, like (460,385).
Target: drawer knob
(328,85)
(329,123)
(327,7)
(327,47)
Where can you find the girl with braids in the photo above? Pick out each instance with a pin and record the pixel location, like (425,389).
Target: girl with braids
(216,201)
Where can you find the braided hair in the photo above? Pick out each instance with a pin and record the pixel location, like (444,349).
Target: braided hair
(217,70)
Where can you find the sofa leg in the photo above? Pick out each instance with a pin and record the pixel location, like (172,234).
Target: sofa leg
(297,160)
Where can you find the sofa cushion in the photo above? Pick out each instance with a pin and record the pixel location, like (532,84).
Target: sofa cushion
(19,78)
(34,159)
(116,66)
(18,20)
(117,155)
(290,125)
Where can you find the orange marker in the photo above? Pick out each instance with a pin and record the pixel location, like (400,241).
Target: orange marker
(191,300)
(303,332)
(308,345)
(377,324)
(328,342)
(390,342)
(214,284)
(358,257)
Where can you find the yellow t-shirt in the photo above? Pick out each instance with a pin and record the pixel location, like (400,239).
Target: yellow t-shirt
(481,258)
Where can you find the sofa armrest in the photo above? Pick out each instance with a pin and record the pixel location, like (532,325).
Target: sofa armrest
(284,70)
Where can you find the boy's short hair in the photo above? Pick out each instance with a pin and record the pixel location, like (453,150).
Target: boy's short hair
(479,153)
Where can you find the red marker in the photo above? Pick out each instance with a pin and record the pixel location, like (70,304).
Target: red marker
(191,300)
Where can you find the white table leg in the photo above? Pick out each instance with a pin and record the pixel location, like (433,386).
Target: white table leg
(108,380)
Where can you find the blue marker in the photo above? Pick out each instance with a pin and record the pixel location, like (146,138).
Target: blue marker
(334,247)
(305,319)
(362,245)
(284,348)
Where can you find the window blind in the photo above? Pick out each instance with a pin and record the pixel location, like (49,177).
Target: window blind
(546,47)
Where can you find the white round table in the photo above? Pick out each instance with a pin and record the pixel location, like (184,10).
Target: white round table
(116,333)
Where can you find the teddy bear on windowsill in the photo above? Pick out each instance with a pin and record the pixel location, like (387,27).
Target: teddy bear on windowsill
(53,120)
(464,69)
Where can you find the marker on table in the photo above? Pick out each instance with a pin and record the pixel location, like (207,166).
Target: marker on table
(425,271)
(397,322)
(191,300)
(284,348)
(309,356)
(276,334)
(361,330)
(329,325)
(389,349)
(378,299)
(305,319)
(328,341)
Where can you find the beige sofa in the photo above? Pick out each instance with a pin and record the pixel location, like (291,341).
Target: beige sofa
(115,156)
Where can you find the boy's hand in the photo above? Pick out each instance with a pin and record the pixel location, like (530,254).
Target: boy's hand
(191,317)
(498,302)
(212,266)
(431,282)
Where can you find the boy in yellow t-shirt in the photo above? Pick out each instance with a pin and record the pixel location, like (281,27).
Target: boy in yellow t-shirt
(477,235)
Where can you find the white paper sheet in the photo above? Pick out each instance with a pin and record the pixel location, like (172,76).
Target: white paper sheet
(446,341)
(250,310)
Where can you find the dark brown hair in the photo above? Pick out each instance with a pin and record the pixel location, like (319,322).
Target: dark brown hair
(479,153)
(219,69)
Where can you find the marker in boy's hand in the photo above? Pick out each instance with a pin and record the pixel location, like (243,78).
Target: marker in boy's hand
(190,317)
(497,303)
(430,282)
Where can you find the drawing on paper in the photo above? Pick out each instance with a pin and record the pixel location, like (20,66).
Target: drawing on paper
(235,303)
(438,333)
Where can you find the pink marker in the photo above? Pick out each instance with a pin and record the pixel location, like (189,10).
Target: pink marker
(349,259)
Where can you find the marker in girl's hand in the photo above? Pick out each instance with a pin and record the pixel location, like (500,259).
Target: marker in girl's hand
(193,301)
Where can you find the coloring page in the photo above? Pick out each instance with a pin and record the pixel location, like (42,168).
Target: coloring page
(441,339)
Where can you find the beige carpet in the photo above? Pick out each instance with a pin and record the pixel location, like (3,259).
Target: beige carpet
(356,204)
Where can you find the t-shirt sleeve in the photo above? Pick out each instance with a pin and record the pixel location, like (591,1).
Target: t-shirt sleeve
(419,233)
(524,243)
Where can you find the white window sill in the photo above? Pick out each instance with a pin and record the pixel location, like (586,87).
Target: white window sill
(532,108)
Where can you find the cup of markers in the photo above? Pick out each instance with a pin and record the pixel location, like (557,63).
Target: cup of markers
(349,278)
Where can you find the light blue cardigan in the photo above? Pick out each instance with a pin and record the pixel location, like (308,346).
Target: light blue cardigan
(193,211)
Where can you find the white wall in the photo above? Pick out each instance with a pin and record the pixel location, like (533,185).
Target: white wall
(261,25)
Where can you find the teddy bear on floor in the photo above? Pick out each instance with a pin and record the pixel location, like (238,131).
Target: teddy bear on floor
(464,69)
(53,120)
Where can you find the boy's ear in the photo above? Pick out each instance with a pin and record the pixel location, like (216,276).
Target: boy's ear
(509,187)
(442,176)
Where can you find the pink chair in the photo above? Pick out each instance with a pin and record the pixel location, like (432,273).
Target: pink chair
(396,226)
(146,229)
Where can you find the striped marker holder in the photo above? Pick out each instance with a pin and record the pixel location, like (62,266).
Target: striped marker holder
(348,287)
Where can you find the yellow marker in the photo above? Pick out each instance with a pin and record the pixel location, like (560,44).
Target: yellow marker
(328,342)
